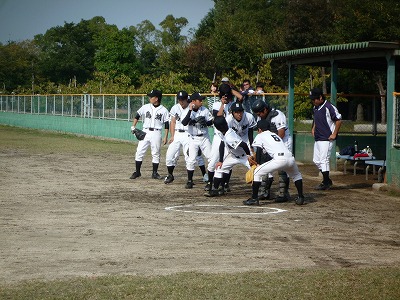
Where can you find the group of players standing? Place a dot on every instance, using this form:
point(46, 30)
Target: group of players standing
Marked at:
point(233, 142)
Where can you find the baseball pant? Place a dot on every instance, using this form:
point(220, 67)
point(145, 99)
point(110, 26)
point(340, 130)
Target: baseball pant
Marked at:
point(195, 143)
point(181, 141)
point(231, 160)
point(214, 153)
point(152, 139)
point(285, 163)
point(322, 154)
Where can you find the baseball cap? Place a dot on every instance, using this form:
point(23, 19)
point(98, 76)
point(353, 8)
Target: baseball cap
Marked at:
point(315, 93)
point(182, 95)
point(155, 93)
point(237, 106)
point(197, 96)
point(225, 79)
point(263, 125)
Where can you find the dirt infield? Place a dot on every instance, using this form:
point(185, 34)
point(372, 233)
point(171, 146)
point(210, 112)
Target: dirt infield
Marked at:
point(79, 215)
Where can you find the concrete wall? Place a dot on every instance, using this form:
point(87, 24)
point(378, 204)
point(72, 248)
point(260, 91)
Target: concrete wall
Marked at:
point(85, 126)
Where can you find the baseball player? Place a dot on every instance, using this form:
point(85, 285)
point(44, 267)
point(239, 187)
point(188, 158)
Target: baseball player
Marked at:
point(179, 138)
point(280, 158)
point(220, 108)
point(242, 122)
point(154, 116)
point(278, 125)
point(232, 151)
point(326, 124)
point(197, 119)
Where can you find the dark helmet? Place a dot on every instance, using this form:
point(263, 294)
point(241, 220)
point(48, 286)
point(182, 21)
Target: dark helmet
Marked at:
point(259, 106)
point(221, 124)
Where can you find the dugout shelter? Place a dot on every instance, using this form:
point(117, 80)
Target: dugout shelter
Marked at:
point(370, 55)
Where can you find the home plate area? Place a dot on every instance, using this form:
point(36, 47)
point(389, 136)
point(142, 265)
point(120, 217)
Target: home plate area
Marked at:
point(218, 209)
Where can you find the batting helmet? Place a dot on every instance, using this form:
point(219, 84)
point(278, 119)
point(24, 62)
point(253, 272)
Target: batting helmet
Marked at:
point(259, 106)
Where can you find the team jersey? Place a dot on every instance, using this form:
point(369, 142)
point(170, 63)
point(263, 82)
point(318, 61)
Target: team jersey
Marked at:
point(179, 113)
point(197, 129)
point(325, 117)
point(243, 126)
point(153, 117)
point(270, 143)
point(232, 141)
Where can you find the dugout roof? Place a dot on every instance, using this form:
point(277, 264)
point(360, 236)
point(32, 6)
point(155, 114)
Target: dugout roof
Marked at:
point(370, 55)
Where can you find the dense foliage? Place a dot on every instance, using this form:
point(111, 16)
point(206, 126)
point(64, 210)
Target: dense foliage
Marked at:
point(96, 57)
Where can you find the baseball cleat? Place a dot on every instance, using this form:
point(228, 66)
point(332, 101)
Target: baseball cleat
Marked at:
point(300, 200)
point(284, 198)
point(221, 191)
point(208, 186)
point(169, 179)
point(189, 184)
point(227, 188)
point(155, 175)
point(135, 175)
point(251, 201)
point(322, 187)
point(211, 193)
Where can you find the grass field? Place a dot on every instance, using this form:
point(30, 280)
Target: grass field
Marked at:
point(311, 283)
point(371, 283)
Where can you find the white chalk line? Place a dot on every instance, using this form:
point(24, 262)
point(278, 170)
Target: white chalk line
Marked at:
point(261, 210)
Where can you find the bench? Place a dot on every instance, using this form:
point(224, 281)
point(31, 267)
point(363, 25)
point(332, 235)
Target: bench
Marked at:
point(380, 163)
point(356, 160)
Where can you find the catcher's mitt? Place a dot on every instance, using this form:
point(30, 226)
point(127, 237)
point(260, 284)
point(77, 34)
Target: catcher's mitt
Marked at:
point(140, 134)
point(250, 174)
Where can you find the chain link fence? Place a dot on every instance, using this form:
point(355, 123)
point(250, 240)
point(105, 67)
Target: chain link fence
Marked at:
point(362, 114)
point(101, 106)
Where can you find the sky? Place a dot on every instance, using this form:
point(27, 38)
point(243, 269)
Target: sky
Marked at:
point(23, 19)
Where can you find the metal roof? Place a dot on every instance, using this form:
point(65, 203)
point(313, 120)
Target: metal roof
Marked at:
point(361, 55)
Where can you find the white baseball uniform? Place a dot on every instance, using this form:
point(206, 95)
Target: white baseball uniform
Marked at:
point(181, 138)
point(198, 138)
point(233, 154)
point(282, 158)
point(153, 121)
point(243, 126)
point(216, 139)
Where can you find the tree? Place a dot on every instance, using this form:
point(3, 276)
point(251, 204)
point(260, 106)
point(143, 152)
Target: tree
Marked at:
point(18, 63)
point(308, 23)
point(116, 54)
point(146, 45)
point(67, 52)
point(172, 44)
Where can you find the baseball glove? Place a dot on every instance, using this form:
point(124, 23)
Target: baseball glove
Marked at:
point(202, 121)
point(140, 134)
point(250, 174)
